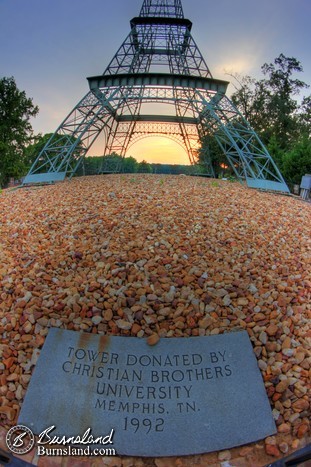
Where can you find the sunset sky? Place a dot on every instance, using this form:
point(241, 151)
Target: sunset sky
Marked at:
point(51, 46)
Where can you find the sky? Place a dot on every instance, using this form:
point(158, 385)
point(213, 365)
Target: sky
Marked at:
point(52, 46)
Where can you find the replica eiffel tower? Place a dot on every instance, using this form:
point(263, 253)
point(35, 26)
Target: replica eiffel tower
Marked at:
point(158, 66)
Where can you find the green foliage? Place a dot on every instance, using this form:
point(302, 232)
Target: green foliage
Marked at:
point(33, 150)
point(270, 105)
point(110, 163)
point(297, 162)
point(283, 121)
point(171, 169)
point(90, 166)
point(211, 151)
point(15, 129)
point(130, 165)
point(56, 143)
point(244, 95)
point(276, 152)
point(281, 105)
point(198, 169)
point(231, 179)
point(144, 167)
point(304, 116)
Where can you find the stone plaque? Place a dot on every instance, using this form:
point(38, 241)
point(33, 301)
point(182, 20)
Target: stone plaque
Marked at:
point(183, 396)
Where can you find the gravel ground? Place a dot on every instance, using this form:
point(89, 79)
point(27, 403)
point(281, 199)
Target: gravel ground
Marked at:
point(137, 255)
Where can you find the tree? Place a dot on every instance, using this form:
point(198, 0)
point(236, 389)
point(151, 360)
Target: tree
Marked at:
point(297, 162)
point(251, 97)
point(130, 165)
point(282, 119)
point(211, 152)
point(304, 116)
point(282, 106)
point(244, 94)
point(56, 144)
point(33, 150)
point(144, 167)
point(15, 129)
point(270, 105)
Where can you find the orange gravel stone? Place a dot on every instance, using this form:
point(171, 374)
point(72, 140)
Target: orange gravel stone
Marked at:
point(272, 329)
point(166, 256)
point(153, 339)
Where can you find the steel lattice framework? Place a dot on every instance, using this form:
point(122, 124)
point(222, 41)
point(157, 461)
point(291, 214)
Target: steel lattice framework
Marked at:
point(158, 66)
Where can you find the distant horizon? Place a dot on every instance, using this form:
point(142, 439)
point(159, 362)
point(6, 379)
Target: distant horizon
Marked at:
point(143, 160)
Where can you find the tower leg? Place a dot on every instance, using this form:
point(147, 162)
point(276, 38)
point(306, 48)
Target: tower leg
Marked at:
point(243, 148)
point(63, 153)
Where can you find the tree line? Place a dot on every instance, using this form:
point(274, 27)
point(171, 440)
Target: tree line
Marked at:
point(273, 105)
point(114, 163)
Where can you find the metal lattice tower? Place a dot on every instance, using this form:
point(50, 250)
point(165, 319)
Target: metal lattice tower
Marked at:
point(158, 66)
point(164, 8)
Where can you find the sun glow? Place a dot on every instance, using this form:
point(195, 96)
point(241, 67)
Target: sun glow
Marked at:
point(159, 150)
